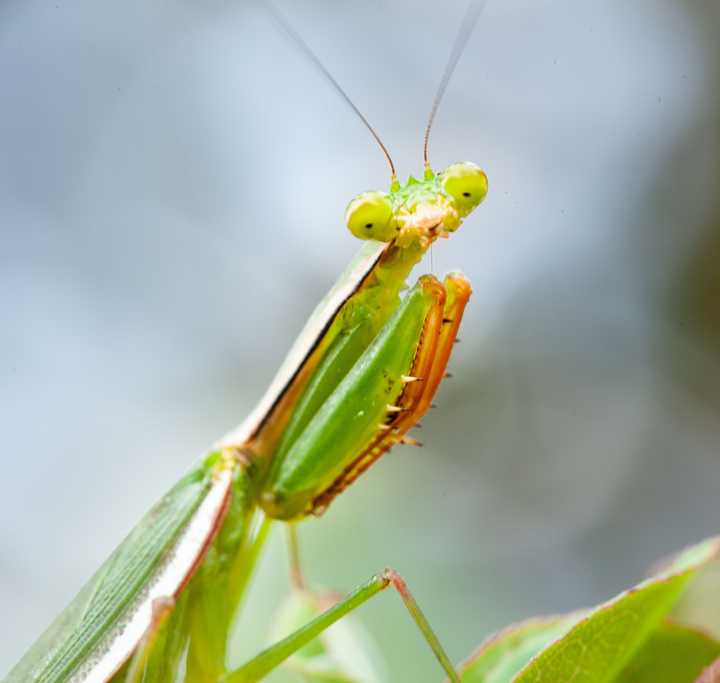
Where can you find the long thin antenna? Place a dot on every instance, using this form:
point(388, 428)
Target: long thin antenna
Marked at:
point(472, 14)
point(297, 38)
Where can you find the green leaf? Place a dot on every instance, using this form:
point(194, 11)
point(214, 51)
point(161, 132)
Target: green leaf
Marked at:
point(600, 645)
point(503, 655)
point(672, 654)
point(625, 640)
point(698, 606)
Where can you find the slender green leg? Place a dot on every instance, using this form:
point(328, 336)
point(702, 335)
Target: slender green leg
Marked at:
point(297, 577)
point(398, 583)
point(216, 590)
point(245, 565)
point(272, 657)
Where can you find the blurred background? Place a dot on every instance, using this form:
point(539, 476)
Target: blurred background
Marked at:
point(173, 177)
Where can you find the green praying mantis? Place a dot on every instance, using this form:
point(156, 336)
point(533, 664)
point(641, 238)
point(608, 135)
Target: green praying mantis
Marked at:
point(361, 373)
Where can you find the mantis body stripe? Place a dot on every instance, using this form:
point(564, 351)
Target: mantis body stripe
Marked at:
point(169, 579)
point(322, 317)
point(109, 616)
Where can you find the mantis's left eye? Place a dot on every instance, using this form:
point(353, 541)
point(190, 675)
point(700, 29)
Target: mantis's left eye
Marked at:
point(370, 217)
point(466, 183)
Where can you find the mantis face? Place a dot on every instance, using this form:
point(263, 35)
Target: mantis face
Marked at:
point(420, 210)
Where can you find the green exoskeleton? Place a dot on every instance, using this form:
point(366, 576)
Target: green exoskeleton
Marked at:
point(362, 372)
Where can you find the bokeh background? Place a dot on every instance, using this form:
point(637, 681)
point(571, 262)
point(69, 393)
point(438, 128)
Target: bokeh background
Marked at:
point(173, 177)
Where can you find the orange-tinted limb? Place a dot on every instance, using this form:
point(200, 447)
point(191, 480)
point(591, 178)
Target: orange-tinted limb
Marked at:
point(428, 370)
point(458, 291)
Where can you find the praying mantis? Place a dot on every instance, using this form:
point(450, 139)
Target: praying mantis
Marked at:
point(362, 372)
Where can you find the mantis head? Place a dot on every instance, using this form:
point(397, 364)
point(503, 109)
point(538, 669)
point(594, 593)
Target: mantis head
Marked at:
point(420, 210)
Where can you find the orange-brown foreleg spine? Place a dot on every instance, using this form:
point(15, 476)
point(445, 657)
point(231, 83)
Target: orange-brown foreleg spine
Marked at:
point(428, 370)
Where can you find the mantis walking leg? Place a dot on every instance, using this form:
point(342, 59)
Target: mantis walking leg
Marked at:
point(272, 657)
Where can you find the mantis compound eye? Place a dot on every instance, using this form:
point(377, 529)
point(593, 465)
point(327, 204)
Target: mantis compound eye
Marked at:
point(370, 217)
point(466, 183)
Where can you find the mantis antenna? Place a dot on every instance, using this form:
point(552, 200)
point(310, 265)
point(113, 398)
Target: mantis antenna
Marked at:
point(304, 47)
point(466, 28)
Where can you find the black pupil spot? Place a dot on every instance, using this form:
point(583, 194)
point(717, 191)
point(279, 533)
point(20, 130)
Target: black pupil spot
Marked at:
point(368, 225)
point(466, 194)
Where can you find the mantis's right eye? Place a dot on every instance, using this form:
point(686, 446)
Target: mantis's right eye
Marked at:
point(466, 184)
point(370, 217)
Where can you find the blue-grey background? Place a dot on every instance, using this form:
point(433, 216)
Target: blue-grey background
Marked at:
point(173, 177)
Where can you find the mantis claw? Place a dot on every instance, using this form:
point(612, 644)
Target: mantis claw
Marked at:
point(430, 363)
